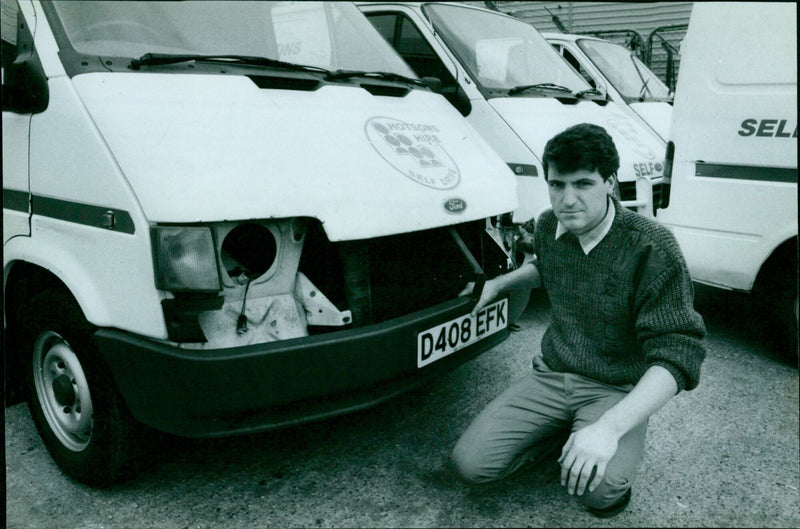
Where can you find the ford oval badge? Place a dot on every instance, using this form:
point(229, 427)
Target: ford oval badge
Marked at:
point(455, 206)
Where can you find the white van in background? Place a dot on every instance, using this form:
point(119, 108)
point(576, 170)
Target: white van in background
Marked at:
point(516, 90)
point(616, 71)
point(220, 218)
point(732, 198)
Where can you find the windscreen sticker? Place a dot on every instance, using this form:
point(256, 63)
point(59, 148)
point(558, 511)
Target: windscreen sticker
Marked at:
point(415, 150)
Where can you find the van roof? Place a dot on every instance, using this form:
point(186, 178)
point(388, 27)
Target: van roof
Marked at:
point(569, 36)
point(419, 4)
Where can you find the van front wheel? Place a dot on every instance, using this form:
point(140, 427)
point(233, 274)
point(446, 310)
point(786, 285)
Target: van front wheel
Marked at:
point(79, 414)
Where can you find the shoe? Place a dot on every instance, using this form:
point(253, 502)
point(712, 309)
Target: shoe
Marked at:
point(613, 510)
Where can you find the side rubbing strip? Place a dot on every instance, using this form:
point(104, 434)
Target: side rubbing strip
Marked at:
point(96, 216)
point(746, 172)
point(16, 200)
point(521, 169)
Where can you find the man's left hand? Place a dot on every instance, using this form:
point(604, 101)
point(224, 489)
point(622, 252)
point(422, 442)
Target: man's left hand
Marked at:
point(588, 449)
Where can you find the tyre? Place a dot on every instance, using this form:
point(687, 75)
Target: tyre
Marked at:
point(777, 294)
point(80, 416)
point(784, 301)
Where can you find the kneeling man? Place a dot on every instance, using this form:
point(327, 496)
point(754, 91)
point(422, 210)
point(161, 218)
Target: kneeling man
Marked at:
point(624, 337)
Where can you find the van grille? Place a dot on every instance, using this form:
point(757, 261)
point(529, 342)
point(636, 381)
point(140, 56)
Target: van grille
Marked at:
point(627, 191)
point(384, 278)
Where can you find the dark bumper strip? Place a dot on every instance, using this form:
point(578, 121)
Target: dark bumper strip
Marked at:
point(746, 172)
point(244, 389)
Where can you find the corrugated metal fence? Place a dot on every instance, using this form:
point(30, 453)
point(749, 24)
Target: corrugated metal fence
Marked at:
point(647, 27)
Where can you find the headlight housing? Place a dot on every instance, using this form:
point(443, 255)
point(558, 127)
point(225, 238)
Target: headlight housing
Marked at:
point(185, 259)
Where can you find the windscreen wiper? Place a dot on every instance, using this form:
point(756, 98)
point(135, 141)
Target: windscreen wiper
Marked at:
point(584, 93)
point(159, 59)
point(538, 86)
point(645, 88)
point(387, 76)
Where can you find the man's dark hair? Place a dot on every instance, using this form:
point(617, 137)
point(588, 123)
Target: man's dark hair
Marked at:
point(584, 146)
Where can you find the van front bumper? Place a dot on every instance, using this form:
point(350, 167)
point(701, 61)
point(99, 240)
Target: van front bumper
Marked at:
point(218, 392)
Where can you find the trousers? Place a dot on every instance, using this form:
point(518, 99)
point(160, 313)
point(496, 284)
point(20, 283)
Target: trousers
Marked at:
point(533, 418)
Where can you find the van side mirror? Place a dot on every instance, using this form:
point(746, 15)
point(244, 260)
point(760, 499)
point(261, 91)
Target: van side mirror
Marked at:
point(434, 83)
point(666, 185)
point(24, 82)
point(458, 98)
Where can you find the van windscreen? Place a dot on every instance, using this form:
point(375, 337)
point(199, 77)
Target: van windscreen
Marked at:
point(329, 35)
point(625, 71)
point(501, 53)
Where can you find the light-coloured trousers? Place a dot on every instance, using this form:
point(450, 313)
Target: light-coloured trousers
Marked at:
point(523, 423)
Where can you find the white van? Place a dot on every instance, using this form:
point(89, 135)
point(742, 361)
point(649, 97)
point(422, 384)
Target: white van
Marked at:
point(516, 90)
point(732, 200)
point(225, 217)
point(618, 72)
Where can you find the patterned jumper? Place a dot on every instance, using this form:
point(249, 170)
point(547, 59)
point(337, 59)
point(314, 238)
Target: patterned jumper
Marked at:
point(622, 308)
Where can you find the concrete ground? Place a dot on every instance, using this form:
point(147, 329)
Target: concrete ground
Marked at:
point(724, 455)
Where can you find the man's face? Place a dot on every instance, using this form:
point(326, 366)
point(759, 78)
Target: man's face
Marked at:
point(579, 199)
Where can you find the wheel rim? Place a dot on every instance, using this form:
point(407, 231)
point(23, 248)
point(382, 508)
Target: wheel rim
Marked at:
point(63, 391)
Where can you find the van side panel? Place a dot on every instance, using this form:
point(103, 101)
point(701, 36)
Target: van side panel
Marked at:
point(16, 208)
point(734, 180)
point(753, 77)
point(510, 147)
point(86, 217)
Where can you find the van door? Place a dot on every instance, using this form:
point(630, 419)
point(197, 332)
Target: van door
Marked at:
point(579, 67)
point(16, 125)
point(399, 31)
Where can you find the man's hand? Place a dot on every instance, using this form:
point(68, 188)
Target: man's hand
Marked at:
point(587, 450)
point(526, 276)
point(591, 448)
point(490, 291)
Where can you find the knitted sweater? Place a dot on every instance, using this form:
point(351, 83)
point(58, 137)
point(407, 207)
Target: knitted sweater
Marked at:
point(622, 308)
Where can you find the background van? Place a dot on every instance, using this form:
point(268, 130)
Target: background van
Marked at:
point(618, 72)
point(517, 92)
point(732, 199)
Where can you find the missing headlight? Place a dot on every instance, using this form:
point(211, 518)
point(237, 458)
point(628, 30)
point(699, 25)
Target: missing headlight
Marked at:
point(248, 251)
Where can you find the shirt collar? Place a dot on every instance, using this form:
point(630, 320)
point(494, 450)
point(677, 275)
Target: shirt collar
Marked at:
point(589, 240)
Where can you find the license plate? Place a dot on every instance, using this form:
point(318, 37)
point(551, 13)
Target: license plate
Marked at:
point(447, 338)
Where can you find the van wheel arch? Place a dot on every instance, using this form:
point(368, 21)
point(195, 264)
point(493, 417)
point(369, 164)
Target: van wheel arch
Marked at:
point(776, 291)
point(23, 281)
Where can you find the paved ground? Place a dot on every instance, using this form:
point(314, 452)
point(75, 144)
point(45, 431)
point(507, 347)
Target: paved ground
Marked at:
point(726, 454)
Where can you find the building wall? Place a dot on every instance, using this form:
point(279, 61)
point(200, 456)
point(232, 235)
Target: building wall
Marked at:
point(589, 17)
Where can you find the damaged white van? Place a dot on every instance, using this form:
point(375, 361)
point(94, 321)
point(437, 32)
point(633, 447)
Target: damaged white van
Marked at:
point(517, 92)
point(225, 217)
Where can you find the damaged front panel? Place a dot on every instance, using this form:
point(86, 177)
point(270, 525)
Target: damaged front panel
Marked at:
point(284, 279)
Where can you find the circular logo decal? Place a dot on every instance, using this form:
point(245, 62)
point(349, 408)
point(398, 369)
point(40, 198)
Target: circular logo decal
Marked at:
point(455, 206)
point(414, 150)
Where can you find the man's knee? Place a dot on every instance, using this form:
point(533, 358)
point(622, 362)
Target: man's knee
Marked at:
point(466, 465)
point(608, 493)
